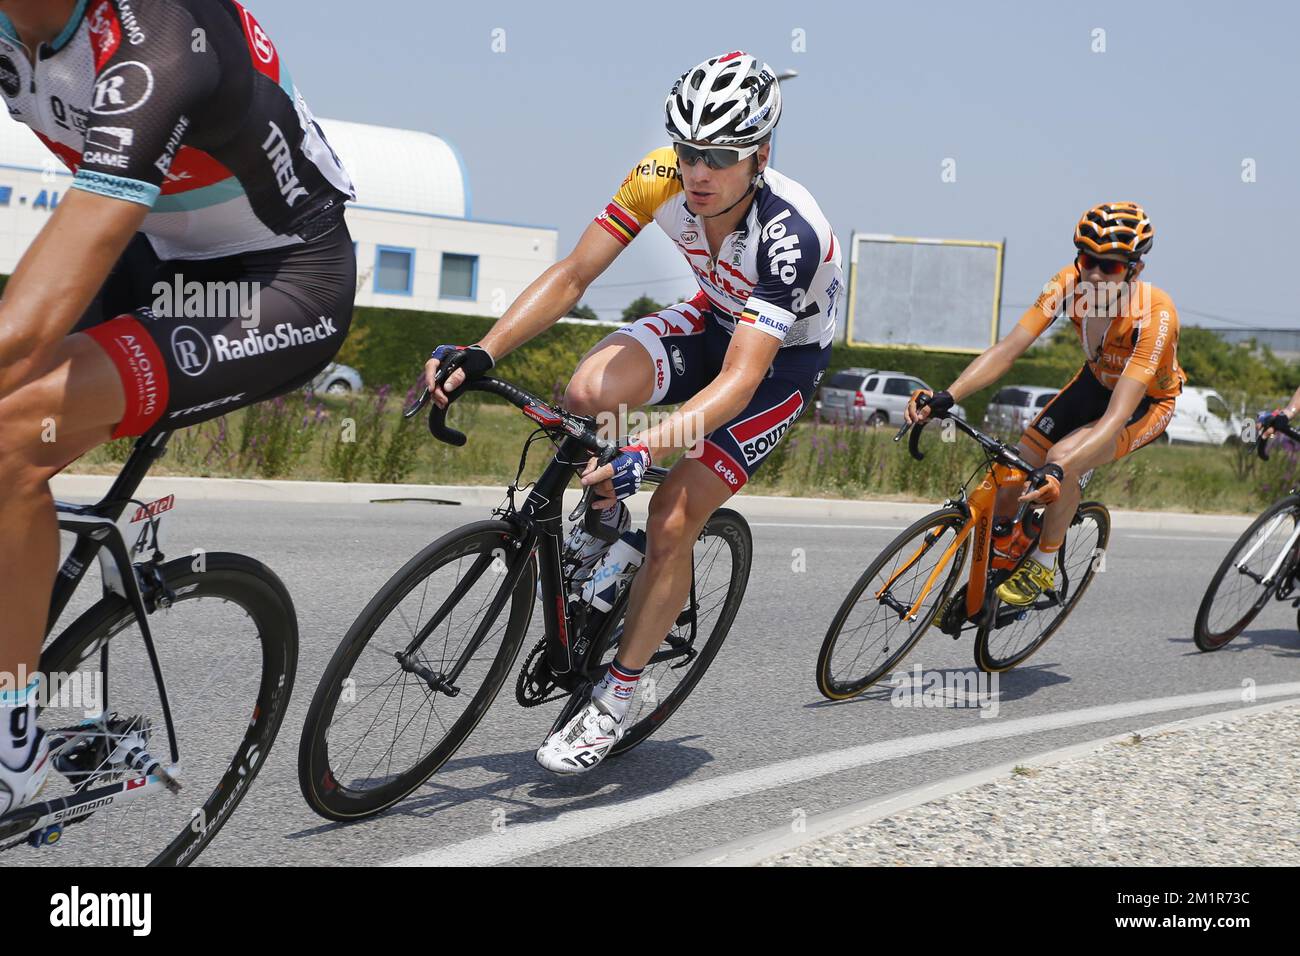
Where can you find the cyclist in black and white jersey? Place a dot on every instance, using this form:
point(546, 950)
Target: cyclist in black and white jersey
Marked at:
point(195, 160)
point(743, 357)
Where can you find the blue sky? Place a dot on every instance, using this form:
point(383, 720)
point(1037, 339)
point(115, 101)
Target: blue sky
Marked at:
point(1039, 124)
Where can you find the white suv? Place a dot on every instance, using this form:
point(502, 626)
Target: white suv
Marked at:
point(871, 396)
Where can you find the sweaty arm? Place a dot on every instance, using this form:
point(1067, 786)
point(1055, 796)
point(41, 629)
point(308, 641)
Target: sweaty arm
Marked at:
point(992, 364)
point(547, 299)
point(1292, 406)
point(995, 362)
point(552, 294)
point(557, 290)
point(125, 159)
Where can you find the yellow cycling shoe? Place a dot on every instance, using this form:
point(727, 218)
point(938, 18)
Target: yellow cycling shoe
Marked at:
point(1026, 584)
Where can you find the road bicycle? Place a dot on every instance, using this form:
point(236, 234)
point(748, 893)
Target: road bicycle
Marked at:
point(1263, 563)
point(204, 648)
point(427, 656)
point(918, 579)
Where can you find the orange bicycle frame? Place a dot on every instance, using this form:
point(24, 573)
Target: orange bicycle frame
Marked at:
point(981, 504)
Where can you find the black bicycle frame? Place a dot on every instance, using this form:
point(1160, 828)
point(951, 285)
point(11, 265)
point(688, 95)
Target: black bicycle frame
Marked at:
point(539, 525)
point(98, 536)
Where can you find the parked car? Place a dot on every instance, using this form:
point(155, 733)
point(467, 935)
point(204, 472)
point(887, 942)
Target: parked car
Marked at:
point(1012, 409)
point(1202, 417)
point(337, 379)
point(870, 396)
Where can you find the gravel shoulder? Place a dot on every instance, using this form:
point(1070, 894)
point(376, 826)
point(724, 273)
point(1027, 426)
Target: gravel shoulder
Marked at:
point(1224, 793)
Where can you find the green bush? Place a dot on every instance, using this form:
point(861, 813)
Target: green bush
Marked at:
point(388, 347)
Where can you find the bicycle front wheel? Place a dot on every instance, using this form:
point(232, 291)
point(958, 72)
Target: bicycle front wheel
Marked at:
point(892, 604)
point(1237, 592)
point(377, 729)
point(1008, 635)
point(228, 649)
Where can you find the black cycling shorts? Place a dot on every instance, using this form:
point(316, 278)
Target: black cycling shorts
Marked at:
point(1085, 400)
point(194, 339)
point(687, 346)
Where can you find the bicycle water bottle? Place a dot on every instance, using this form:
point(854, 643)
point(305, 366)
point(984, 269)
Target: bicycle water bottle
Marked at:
point(602, 589)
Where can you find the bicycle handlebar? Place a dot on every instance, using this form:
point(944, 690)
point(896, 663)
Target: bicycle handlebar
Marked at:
point(539, 411)
point(1261, 444)
point(999, 451)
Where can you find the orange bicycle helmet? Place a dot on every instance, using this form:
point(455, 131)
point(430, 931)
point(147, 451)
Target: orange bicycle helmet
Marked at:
point(1115, 227)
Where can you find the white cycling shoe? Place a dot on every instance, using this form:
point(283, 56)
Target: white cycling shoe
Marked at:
point(582, 743)
point(23, 785)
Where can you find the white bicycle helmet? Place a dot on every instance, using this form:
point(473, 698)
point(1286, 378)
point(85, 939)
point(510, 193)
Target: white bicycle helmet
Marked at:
point(730, 100)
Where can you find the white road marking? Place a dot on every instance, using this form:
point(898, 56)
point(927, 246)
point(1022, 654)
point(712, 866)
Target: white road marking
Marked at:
point(829, 527)
point(571, 826)
point(1181, 537)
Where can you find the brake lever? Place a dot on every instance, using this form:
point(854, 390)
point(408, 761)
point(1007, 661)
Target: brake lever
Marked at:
point(414, 409)
point(591, 522)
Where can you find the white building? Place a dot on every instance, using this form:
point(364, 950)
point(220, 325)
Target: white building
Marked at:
point(418, 246)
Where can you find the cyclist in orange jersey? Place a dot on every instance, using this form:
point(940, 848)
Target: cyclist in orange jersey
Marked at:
point(1120, 400)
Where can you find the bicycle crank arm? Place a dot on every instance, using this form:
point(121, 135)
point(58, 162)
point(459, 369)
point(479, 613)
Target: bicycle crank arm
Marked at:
point(1010, 614)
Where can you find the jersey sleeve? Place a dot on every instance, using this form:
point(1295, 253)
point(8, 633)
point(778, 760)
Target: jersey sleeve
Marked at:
point(1154, 362)
point(1048, 305)
point(651, 182)
point(152, 68)
point(789, 255)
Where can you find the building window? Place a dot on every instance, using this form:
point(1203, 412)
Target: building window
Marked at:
point(394, 270)
point(459, 276)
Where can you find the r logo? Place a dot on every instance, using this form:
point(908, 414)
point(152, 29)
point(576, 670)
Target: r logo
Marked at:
point(191, 351)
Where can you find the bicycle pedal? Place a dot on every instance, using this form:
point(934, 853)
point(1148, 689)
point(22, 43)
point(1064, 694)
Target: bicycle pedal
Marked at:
point(48, 836)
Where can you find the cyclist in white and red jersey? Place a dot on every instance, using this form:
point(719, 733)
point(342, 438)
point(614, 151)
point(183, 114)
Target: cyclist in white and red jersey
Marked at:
point(196, 160)
point(743, 357)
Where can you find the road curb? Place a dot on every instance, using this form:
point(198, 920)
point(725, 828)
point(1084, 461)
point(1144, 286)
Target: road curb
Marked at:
point(751, 850)
point(490, 496)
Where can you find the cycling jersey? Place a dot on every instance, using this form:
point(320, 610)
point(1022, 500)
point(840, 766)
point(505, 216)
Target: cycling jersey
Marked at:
point(1141, 344)
point(185, 107)
point(779, 272)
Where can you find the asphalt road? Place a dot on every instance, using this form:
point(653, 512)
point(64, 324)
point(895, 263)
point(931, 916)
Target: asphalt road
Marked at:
point(750, 749)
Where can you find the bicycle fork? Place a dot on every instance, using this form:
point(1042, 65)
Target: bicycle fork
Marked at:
point(515, 564)
point(1270, 577)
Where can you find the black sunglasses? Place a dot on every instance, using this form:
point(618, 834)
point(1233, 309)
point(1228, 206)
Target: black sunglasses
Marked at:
point(1111, 267)
point(715, 157)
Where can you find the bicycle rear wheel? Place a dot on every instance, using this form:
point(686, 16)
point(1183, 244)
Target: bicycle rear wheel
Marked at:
point(871, 635)
point(228, 650)
point(1237, 592)
point(375, 730)
point(1008, 636)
